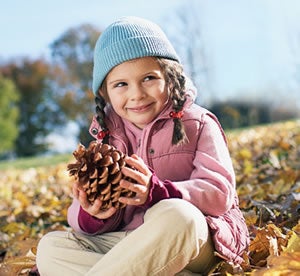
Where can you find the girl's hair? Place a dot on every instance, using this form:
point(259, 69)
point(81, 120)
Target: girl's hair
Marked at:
point(173, 73)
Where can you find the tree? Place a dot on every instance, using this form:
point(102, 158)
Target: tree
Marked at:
point(72, 56)
point(295, 50)
point(242, 113)
point(38, 111)
point(8, 115)
point(185, 32)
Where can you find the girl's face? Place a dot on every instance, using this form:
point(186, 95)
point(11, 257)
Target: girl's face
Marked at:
point(137, 90)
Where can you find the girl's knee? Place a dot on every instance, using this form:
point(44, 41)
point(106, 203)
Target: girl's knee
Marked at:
point(178, 213)
point(177, 208)
point(46, 241)
point(46, 249)
point(50, 240)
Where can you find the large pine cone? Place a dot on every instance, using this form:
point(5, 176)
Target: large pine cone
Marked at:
point(98, 171)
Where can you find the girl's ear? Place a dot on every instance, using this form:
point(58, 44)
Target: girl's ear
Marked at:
point(100, 93)
point(103, 94)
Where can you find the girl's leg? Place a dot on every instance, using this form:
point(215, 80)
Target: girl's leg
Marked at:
point(72, 254)
point(174, 233)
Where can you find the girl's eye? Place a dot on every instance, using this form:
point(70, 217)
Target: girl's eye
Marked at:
point(149, 78)
point(120, 84)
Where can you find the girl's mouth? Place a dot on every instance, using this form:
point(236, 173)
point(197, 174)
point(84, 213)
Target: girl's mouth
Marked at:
point(140, 109)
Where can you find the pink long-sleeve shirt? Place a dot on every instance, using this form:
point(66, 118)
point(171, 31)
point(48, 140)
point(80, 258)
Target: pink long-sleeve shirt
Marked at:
point(199, 171)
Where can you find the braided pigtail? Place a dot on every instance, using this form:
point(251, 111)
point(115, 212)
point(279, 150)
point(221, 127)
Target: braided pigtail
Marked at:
point(178, 99)
point(176, 81)
point(100, 104)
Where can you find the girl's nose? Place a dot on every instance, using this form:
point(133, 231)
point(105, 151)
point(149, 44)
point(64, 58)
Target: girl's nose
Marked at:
point(137, 92)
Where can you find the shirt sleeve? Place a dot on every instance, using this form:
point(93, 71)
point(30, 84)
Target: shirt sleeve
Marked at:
point(211, 186)
point(83, 222)
point(160, 190)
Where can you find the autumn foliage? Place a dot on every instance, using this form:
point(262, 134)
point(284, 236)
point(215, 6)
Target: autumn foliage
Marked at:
point(266, 159)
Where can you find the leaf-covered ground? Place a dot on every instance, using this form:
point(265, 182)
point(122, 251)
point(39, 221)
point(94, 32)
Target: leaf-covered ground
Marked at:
point(34, 201)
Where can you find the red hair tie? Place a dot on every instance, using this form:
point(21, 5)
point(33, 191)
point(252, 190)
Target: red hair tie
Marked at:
point(177, 115)
point(102, 134)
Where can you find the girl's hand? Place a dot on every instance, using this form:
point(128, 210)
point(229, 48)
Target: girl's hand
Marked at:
point(92, 209)
point(142, 175)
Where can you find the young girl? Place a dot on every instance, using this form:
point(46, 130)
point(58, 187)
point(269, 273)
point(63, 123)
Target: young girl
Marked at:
point(185, 213)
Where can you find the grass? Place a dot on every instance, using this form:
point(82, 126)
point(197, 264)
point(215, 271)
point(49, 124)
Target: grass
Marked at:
point(34, 162)
point(47, 161)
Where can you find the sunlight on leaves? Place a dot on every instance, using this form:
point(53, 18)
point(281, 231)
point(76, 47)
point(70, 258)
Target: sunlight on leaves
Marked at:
point(266, 159)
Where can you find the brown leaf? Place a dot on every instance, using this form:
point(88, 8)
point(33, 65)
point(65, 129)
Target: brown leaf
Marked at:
point(287, 264)
point(17, 266)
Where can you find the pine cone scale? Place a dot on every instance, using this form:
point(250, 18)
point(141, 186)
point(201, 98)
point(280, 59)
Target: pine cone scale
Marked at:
point(98, 171)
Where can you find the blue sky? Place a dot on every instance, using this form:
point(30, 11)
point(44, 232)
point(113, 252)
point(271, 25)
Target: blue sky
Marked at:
point(250, 42)
point(28, 27)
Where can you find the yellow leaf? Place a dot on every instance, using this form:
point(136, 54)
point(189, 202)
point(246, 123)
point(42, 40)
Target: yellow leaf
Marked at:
point(284, 145)
point(273, 158)
point(296, 228)
point(250, 217)
point(293, 243)
point(268, 241)
point(22, 198)
point(287, 264)
point(245, 154)
point(248, 166)
point(17, 266)
point(286, 259)
point(13, 227)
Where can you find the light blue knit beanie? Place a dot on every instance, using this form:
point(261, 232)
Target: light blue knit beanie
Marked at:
point(128, 38)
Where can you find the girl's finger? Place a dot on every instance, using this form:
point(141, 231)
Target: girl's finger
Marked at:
point(137, 163)
point(107, 213)
point(96, 206)
point(132, 200)
point(134, 174)
point(83, 200)
point(75, 190)
point(135, 187)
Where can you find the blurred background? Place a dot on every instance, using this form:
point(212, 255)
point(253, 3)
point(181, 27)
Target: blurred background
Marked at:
point(242, 55)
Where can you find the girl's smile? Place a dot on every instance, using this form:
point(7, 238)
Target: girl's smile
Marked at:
point(140, 109)
point(137, 90)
